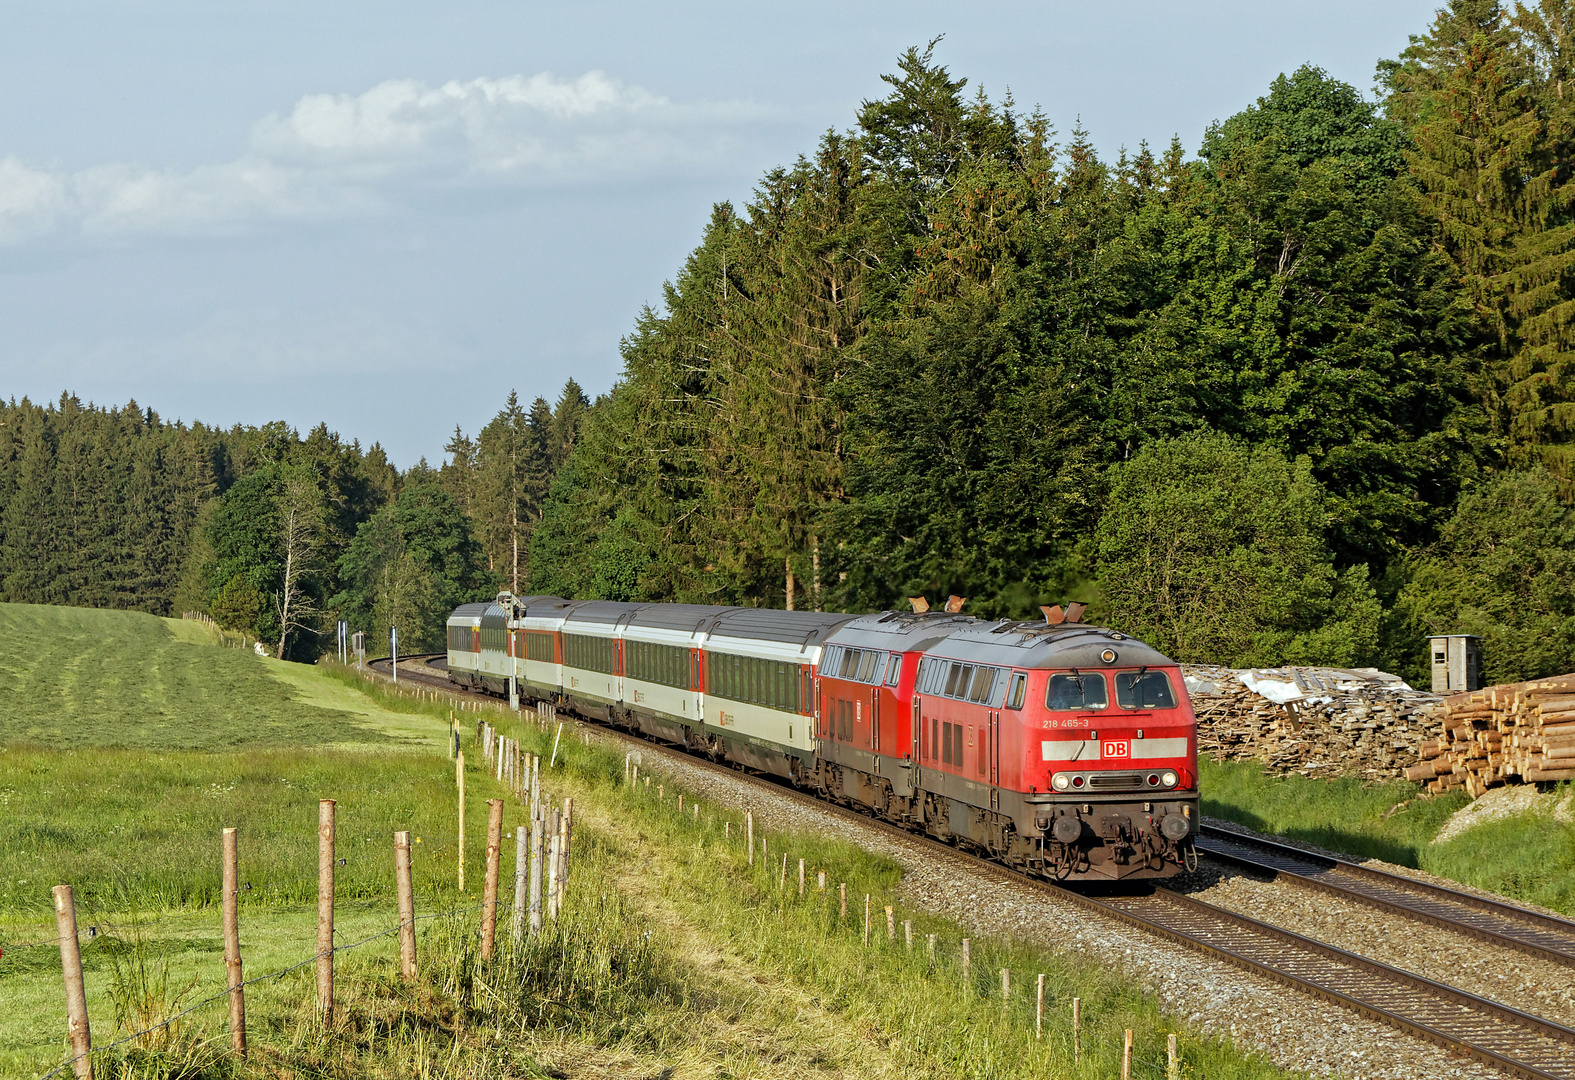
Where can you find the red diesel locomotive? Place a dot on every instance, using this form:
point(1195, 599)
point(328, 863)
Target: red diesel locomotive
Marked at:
point(1059, 748)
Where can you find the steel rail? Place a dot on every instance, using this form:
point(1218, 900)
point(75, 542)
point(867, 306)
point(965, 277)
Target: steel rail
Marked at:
point(1533, 933)
point(1515, 1042)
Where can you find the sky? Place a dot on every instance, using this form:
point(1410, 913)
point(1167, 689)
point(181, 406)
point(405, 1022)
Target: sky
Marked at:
point(387, 216)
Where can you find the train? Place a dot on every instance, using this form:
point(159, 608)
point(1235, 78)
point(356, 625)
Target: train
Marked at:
point(1062, 749)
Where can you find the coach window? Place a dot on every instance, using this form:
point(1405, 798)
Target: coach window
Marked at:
point(1078, 690)
point(1014, 698)
point(1144, 690)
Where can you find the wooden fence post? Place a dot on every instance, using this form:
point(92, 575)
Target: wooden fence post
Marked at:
point(521, 858)
point(554, 845)
point(842, 901)
point(932, 952)
point(459, 783)
point(489, 886)
point(536, 838)
point(891, 926)
point(229, 900)
point(407, 907)
point(749, 832)
point(1006, 985)
point(325, 911)
point(1126, 1055)
point(866, 918)
point(1172, 1058)
point(77, 1030)
point(782, 881)
point(801, 877)
point(967, 986)
point(568, 838)
point(1077, 1030)
point(1039, 1009)
point(907, 934)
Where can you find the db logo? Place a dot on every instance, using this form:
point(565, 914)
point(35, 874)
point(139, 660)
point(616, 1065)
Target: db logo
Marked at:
point(1115, 749)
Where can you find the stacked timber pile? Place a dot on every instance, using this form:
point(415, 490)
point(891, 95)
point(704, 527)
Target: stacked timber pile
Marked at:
point(1520, 732)
point(1314, 721)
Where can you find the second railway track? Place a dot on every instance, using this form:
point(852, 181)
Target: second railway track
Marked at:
point(1504, 925)
point(1515, 1042)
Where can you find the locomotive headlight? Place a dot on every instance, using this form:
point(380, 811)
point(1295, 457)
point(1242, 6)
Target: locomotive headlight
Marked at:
point(1168, 778)
point(1060, 781)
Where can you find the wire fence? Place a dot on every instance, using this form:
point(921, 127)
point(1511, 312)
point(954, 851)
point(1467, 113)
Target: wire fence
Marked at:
point(224, 995)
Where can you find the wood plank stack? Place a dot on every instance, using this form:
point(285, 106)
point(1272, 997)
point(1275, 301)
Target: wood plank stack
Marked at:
point(1313, 721)
point(1516, 733)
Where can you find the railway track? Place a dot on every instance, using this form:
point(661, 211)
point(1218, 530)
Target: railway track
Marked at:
point(1503, 925)
point(1515, 1042)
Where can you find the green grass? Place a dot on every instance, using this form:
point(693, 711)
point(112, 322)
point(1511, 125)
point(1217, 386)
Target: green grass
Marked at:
point(72, 677)
point(1529, 856)
point(1393, 821)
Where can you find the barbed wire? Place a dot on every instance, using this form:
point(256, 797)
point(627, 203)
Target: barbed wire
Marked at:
point(221, 995)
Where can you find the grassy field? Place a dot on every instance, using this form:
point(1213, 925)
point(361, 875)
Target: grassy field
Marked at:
point(674, 957)
point(72, 677)
point(1530, 856)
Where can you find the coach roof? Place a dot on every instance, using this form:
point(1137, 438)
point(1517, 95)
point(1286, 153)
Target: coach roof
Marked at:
point(801, 628)
point(1038, 645)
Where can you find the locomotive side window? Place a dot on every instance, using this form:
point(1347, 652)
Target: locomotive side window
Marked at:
point(946, 744)
point(1014, 700)
point(957, 679)
point(893, 669)
point(1144, 690)
point(983, 685)
point(868, 672)
point(1077, 691)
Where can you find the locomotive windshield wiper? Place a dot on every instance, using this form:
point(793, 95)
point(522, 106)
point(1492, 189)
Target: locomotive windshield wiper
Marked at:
point(1078, 679)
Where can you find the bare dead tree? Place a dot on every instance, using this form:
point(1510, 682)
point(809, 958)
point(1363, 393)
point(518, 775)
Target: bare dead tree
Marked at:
point(300, 528)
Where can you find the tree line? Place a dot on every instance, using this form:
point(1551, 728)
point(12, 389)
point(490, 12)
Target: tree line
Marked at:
point(271, 532)
point(1303, 397)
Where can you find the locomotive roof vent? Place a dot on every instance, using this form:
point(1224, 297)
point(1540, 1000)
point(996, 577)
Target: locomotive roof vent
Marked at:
point(1073, 612)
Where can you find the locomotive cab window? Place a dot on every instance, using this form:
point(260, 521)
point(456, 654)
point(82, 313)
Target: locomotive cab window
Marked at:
point(1144, 690)
point(1080, 690)
point(1014, 698)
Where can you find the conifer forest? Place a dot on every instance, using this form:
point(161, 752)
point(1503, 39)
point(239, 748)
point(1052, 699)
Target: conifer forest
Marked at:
point(1303, 396)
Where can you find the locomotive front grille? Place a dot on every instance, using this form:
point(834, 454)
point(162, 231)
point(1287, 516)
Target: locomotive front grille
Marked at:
point(1115, 781)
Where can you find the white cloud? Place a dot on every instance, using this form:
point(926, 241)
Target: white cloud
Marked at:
point(336, 155)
